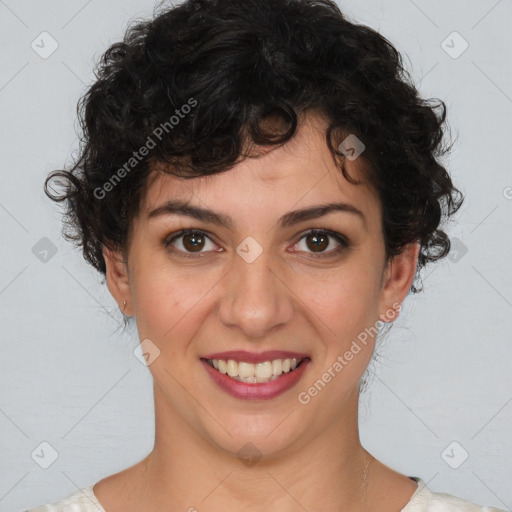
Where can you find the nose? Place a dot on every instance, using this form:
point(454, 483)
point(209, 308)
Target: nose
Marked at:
point(255, 298)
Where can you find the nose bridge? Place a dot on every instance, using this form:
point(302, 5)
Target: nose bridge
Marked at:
point(256, 300)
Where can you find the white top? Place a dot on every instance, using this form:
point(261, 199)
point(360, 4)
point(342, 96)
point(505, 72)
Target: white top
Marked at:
point(423, 500)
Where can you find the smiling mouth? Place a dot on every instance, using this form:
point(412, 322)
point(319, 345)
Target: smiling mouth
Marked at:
point(257, 373)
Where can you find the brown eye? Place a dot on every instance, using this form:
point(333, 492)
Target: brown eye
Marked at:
point(193, 241)
point(317, 241)
point(188, 242)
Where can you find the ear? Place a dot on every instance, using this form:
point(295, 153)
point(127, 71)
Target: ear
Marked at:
point(118, 280)
point(396, 284)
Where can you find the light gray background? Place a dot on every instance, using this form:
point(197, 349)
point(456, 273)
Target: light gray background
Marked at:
point(68, 374)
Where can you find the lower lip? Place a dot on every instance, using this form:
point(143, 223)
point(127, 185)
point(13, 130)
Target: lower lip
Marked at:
point(260, 390)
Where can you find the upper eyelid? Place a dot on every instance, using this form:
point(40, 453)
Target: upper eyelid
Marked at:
point(340, 238)
point(330, 233)
point(182, 232)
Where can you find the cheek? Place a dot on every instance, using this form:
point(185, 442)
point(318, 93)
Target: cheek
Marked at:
point(168, 304)
point(347, 301)
point(347, 311)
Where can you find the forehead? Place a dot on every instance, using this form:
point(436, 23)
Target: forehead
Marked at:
point(296, 175)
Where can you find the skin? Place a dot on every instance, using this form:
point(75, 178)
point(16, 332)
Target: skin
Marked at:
point(311, 455)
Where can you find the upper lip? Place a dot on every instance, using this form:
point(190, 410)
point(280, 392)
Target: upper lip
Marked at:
point(255, 357)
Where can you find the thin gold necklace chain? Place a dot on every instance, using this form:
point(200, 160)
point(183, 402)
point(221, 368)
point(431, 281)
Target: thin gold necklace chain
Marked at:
point(364, 484)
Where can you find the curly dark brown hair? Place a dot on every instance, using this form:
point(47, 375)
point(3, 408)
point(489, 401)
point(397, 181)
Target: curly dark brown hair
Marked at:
point(191, 87)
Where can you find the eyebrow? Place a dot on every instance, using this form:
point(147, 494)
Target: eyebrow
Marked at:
point(175, 207)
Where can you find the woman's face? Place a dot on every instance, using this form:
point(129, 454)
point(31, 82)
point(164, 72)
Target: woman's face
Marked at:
point(261, 281)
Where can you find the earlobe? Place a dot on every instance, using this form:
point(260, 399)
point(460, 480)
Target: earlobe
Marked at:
point(117, 279)
point(397, 282)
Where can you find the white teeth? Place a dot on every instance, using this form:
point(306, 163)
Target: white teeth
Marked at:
point(245, 369)
point(259, 372)
point(263, 370)
point(232, 368)
point(277, 367)
point(223, 366)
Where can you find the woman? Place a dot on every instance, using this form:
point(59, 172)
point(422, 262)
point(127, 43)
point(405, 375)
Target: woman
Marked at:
point(260, 185)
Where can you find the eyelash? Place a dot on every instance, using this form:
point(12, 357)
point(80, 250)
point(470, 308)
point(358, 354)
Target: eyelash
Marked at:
point(343, 241)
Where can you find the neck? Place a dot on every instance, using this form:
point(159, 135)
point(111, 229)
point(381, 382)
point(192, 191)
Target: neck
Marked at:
point(186, 471)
